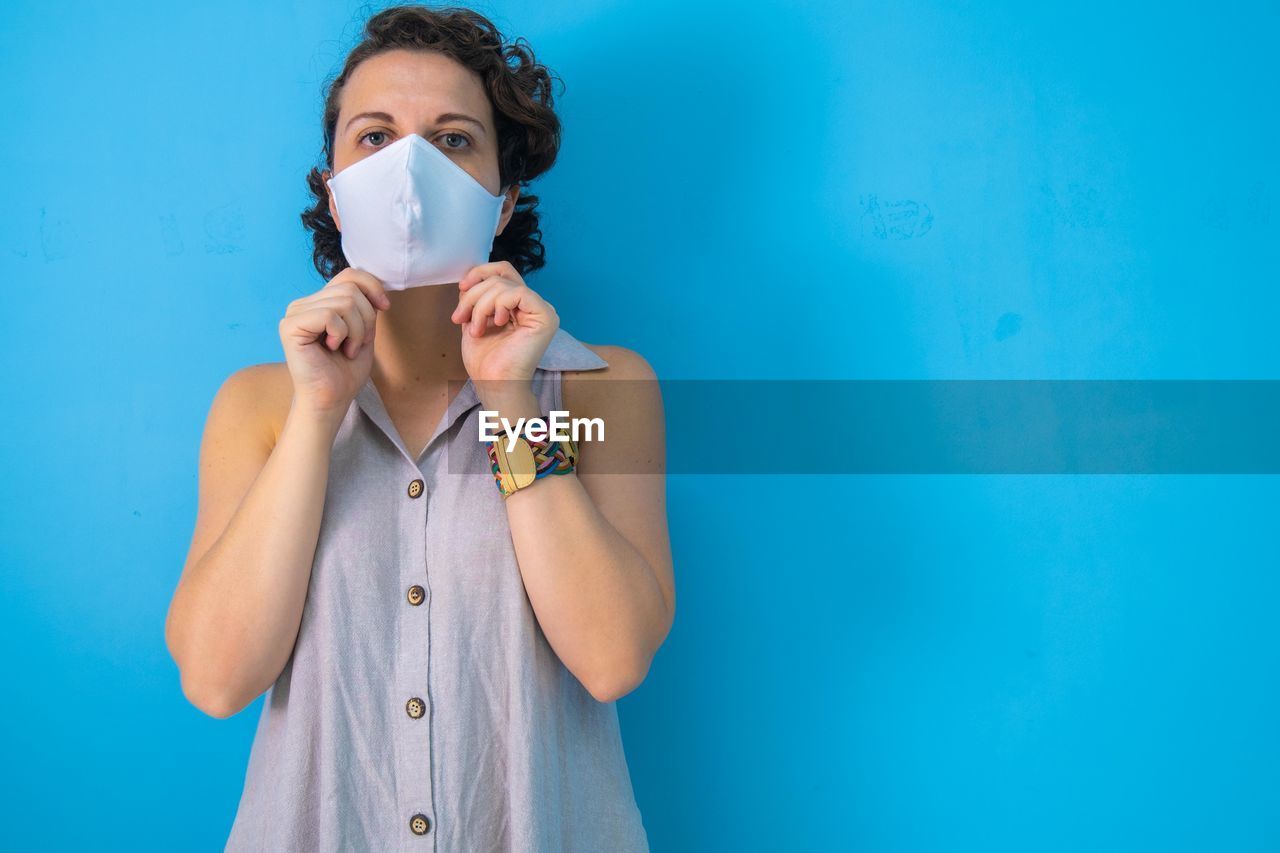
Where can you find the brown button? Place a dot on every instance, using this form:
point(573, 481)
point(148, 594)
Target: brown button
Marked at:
point(416, 707)
point(415, 488)
point(417, 595)
point(419, 824)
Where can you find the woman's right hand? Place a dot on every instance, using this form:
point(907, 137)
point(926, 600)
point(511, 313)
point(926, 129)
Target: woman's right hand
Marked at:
point(328, 340)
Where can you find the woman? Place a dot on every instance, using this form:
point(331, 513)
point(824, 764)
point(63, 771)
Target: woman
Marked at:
point(442, 641)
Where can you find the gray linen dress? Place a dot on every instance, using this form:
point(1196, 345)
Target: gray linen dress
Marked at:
point(422, 708)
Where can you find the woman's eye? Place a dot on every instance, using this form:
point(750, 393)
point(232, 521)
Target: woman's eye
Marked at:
point(455, 136)
point(454, 141)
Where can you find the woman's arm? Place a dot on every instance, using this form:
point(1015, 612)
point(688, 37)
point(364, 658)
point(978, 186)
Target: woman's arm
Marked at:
point(235, 613)
point(593, 546)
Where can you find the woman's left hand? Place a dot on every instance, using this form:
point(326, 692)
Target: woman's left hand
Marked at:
point(506, 327)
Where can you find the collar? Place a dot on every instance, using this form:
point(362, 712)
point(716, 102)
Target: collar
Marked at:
point(564, 352)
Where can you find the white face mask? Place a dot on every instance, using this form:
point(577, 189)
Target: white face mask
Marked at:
point(411, 216)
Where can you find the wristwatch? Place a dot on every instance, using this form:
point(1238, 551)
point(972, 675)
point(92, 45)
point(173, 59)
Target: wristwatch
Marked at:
point(529, 461)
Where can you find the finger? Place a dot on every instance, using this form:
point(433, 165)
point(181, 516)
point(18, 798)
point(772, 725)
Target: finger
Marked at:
point(342, 290)
point(504, 307)
point(351, 303)
point(321, 325)
point(367, 313)
point(368, 283)
point(529, 302)
point(482, 311)
point(483, 271)
point(356, 331)
point(360, 297)
point(509, 299)
point(462, 313)
point(336, 329)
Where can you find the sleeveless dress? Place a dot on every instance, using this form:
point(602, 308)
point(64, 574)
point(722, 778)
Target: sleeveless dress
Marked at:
point(422, 708)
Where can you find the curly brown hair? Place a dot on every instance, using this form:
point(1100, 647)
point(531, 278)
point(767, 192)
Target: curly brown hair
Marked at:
point(519, 89)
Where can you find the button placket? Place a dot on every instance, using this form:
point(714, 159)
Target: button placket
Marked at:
point(414, 759)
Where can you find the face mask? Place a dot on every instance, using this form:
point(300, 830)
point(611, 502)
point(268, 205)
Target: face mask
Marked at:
point(411, 216)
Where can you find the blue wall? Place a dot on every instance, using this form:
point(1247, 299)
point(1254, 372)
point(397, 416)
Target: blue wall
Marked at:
point(817, 190)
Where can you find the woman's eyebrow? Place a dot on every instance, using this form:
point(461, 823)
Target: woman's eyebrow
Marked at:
point(443, 117)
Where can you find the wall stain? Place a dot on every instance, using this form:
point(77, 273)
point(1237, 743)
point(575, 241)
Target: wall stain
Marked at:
point(895, 220)
point(57, 237)
point(1007, 326)
point(223, 229)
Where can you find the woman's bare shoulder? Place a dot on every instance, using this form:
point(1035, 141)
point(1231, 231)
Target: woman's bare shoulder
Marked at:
point(588, 391)
point(259, 396)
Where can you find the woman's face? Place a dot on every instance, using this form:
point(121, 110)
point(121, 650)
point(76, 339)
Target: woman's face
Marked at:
point(424, 92)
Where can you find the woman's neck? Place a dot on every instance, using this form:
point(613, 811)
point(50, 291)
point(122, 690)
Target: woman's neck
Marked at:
point(417, 345)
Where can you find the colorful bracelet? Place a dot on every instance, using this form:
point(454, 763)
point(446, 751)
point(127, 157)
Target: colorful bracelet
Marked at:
point(548, 457)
